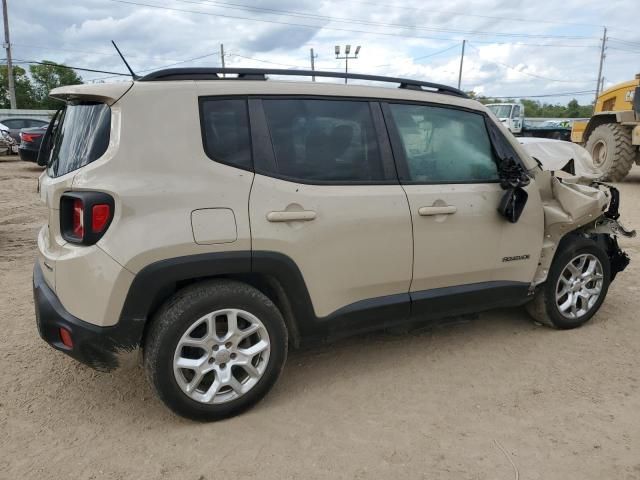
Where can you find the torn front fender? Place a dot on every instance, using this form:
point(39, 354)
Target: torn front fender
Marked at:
point(570, 205)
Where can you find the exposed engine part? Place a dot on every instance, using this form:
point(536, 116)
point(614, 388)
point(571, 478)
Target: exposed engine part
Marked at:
point(618, 260)
point(609, 226)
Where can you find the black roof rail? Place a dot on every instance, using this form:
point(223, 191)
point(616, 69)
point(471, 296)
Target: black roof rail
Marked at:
point(215, 73)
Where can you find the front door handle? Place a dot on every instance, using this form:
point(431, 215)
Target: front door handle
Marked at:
point(443, 210)
point(291, 216)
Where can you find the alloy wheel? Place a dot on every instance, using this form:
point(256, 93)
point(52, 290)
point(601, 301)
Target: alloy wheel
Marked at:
point(579, 286)
point(221, 356)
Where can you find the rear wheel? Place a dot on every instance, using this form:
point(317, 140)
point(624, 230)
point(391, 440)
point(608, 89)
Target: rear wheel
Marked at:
point(612, 151)
point(577, 285)
point(215, 349)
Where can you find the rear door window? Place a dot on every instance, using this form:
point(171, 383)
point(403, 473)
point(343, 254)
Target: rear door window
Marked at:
point(225, 131)
point(324, 141)
point(81, 136)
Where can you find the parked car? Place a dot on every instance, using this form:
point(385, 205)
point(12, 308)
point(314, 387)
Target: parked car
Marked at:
point(30, 140)
point(7, 143)
point(15, 124)
point(285, 213)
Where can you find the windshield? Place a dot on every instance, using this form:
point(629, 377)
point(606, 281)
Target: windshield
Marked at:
point(500, 111)
point(80, 137)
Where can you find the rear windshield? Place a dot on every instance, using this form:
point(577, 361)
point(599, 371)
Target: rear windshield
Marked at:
point(80, 137)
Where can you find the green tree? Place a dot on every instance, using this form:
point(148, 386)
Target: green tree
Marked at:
point(534, 108)
point(46, 77)
point(24, 88)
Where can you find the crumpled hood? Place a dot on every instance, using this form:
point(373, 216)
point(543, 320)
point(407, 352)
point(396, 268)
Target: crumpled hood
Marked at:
point(559, 156)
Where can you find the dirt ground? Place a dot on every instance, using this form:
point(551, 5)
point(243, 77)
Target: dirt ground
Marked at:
point(483, 399)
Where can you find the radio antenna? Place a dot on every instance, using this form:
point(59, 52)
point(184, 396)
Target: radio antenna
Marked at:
point(133, 75)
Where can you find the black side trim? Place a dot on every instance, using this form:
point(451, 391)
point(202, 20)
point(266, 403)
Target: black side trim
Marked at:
point(469, 298)
point(154, 283)
point(150, 283)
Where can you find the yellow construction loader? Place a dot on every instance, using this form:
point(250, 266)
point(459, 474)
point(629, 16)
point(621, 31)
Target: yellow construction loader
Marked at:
point(612, 134)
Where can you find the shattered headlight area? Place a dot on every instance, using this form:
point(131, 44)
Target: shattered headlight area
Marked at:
point(609, 228)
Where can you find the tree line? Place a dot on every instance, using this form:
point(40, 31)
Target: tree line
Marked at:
point(32, 89)
point(535, 108)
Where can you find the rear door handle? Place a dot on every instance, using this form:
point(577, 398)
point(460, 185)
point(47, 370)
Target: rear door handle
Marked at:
point(293, 216)
point(444, 210)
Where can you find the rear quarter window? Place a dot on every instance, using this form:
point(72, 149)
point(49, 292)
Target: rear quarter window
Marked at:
point(225, 131)
point(80, 137)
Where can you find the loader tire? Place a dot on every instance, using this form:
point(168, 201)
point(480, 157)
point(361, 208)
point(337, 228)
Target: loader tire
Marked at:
point(612, 151)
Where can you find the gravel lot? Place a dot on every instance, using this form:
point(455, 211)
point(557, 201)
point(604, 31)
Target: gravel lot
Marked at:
point(479, 399)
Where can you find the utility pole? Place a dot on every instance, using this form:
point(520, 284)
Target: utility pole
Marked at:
point(602, 55)
point(7, 46)
point(347, 50)
point(313, 65)
point(222, 58)
point(461, 63)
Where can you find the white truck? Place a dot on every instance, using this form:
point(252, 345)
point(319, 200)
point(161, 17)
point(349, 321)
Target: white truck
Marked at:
point(512, 116)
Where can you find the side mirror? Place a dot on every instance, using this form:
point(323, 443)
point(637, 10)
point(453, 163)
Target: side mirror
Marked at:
point(512, 203)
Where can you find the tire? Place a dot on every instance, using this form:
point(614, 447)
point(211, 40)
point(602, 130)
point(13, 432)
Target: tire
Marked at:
point(184, 333)
point(545, 307)
point(612, 151)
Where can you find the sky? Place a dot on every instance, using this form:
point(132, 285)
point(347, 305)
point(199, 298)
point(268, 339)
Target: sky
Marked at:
point(542, 49)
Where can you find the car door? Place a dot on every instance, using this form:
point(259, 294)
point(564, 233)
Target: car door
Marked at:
point(326, 196)
point(448, 168)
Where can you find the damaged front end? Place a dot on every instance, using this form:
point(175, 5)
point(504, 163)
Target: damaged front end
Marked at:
point(607, 229)
point(580, 206)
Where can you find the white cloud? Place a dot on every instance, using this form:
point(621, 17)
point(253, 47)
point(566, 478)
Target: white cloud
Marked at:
point(494, 64)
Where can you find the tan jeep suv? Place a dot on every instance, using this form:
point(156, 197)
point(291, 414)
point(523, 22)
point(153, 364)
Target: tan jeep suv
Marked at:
point(211, 223)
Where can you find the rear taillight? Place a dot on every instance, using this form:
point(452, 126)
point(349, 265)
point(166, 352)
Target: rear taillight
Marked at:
point(100, 216)
point(78, 219)
point(85, 216)
point(29, 137)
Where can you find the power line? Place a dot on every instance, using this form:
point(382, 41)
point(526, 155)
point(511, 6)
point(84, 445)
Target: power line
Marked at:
point(317, 27)
point(630, 43)
point(515, 69)
point(167, 66)
point(33, 62)
point(413, 59)
point(266, 61)
point(450, 12)
point(291, 13)
point(86, 52)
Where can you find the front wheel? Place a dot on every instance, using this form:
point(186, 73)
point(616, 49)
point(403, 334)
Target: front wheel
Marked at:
point(577, 285)
point(215, 349)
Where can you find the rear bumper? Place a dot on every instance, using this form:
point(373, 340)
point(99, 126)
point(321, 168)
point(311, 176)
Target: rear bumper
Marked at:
point(28, 155)
point(98, 347)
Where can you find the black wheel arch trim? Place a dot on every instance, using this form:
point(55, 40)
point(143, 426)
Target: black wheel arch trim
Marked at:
point(156, 282)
